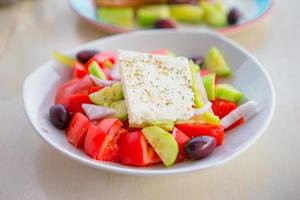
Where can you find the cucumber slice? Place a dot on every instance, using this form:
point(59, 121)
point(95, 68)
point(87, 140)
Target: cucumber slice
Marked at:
point(210, 86)
point(187, 13)
point(108, 95)
point(229, 93)
point(163, 143)
point(213, 15)
point(168, 126)
point(65, 59)
point(148, 15)
point(197, 95)
point(122, 16)
point(215, 61)
point(121, 109)
point(95, 69)
point(211, 118)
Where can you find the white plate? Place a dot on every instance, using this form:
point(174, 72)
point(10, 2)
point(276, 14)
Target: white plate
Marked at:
point(253, 12)
point(250, 77)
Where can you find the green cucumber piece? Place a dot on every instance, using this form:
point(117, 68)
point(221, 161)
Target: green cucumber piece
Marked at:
point(65, 59)
point(121, 16)
point(148, 15)
point(168, 126)
point(229, 93)
point(213, 15)
point(163, 143)
point(197, 95)
point(108, 95)
point(95, 69)
point(187, 13)
point(211, 118)
point(209, 85)
point(120, 107)
point(215, 61)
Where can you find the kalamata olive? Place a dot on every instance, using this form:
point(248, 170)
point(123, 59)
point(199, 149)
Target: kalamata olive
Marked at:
point(86, 55)
point(165, 23)
point(233, 16)
point(200, 147)
point(199, 60)
point(59, 116)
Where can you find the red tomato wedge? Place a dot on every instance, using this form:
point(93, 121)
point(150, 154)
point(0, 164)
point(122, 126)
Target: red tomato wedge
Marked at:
point(194, 130)
point(103, 58)
point(181, 139)
point(135, 150)
point(94, 89)
point(79, 71)
point(94, 139)
point(222, 108)
point(107, 73)
point(204, 72)
point(75, 86)
point(235, 124)
point(73, 102)
point(109, 147)
point(106, 124)
point(77, 130)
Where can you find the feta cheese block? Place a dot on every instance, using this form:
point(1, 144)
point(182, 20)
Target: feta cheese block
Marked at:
point(156, 88)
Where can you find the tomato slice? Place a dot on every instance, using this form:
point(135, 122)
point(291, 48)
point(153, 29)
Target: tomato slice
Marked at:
point(74, 102)
point(106, 124)
point(109, 149)
point(94, 139)
point(102, 57)
point(181, 139)
point(75, 86)
point(194, 130)
point(235, 124)
point(79, 71)
point(94, 89)
point(77, 130)
point(135, 150)
point(204, 72)
point(107, 73)
point(221, 108)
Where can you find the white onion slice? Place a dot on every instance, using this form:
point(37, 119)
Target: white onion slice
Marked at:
point(201, 111)
point(97, 112)
point(201, 88)
point(115, 72)
point(246, 110)
point(101, 82)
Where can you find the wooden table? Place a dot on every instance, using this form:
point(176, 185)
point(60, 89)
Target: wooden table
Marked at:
point(31, 169)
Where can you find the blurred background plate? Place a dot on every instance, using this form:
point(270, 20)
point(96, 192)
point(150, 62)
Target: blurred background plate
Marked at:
point(253, 12)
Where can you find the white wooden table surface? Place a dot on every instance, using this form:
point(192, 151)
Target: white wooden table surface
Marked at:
point(31, 169)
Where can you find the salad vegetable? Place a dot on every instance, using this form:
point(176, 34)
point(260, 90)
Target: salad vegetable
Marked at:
point(142, 109)
point(166, 13)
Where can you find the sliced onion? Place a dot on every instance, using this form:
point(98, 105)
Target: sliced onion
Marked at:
point(201, 88)
point(247, 110)
point(115, 73)
point(97, 112)
point(101, 82)
point(205, 108)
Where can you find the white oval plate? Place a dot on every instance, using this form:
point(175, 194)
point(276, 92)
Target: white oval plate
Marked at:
point(249, 76)
point(253, 12)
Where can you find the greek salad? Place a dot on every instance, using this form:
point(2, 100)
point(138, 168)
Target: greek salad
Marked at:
point(141, 109)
